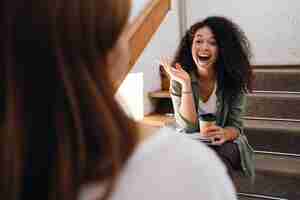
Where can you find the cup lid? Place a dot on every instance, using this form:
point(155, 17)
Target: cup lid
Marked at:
point(207, 117)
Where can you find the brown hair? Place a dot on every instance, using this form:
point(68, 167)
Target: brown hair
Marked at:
point(60, 124)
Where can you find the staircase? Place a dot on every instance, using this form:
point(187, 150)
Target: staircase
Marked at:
point(272, 125)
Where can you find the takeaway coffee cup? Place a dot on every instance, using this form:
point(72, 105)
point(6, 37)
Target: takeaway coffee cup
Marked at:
point(206, 120)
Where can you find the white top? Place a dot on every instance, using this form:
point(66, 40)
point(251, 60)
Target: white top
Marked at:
point(210, 106)
point(170, 166)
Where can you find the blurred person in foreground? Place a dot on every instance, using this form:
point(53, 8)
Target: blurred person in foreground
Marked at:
point(63, 135)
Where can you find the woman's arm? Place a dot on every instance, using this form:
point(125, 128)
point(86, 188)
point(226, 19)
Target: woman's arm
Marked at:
point(187, 107)
point(182, 96)
point(184, 106)
point(234, 122)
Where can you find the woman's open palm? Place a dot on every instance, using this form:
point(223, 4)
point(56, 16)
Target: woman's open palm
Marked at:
point(178, 73)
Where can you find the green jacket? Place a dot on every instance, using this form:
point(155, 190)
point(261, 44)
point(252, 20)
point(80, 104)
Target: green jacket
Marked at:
point(229, 114)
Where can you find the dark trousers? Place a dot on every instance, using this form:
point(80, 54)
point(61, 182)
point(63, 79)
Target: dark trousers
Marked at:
point(230, 155)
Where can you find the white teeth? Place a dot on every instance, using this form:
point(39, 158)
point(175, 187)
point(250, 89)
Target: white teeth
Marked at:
point(203, 57)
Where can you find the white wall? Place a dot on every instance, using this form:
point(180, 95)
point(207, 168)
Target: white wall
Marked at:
point(273, 26)
point(137, 7)
point(163, 43)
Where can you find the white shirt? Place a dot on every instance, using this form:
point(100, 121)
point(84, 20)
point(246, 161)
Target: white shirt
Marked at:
point(170, 166)
point(210, 106)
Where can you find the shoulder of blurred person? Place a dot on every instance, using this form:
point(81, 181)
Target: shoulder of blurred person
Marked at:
point(170, 166)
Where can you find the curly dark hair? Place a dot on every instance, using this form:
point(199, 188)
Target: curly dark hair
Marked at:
point(234, 73)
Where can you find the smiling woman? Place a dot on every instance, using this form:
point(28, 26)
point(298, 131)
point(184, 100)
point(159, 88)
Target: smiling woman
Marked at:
point(210, 74)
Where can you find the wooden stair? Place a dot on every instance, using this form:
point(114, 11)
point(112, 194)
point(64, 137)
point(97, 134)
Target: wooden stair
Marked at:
point(139, 32)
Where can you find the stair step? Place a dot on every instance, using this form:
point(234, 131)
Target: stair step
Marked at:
point(263, 104)
point(273, 135)
point(285, 166)
point(276, 176)
point(274, 185)
point(273, 105)
point(277, 78)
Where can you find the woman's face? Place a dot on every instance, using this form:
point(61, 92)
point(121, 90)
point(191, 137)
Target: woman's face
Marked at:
point(204, 48)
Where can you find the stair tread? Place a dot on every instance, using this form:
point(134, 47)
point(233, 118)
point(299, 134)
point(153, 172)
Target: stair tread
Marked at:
point(274, 136)
point(273, 105)
point(290, 126)
point(274, 185)
point(284, 165)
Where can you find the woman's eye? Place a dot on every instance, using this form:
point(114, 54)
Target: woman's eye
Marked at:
point(213, 43)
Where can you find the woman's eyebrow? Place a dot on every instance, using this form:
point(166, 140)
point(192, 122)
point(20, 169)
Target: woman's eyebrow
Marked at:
point(200, 36)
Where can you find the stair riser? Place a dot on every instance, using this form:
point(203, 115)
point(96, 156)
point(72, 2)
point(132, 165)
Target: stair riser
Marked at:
point(274, 80)
point(273, 107)
point(283, 141)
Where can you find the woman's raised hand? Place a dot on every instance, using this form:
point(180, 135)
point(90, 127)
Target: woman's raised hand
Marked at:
point(178, 73)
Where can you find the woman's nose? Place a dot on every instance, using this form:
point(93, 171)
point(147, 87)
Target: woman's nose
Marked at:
point(205, 46)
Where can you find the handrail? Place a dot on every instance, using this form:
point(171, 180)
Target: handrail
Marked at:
point(139, 33)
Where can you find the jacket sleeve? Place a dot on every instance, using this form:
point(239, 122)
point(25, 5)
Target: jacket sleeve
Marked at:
point(236, 111)
point(235, 114)
point(183, 123)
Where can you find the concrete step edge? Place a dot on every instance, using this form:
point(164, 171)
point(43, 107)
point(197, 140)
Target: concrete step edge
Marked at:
point(288, 125)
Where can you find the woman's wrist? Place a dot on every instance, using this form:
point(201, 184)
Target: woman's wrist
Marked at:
point(186, 88)
point(186, 92)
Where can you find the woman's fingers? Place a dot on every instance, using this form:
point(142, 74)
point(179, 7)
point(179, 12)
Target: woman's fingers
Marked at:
point(166, 64)
point(216, 134)
point(212, 128)
point(218, 140)
point(172, 72)
point(176, 73)
point(178, 66)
